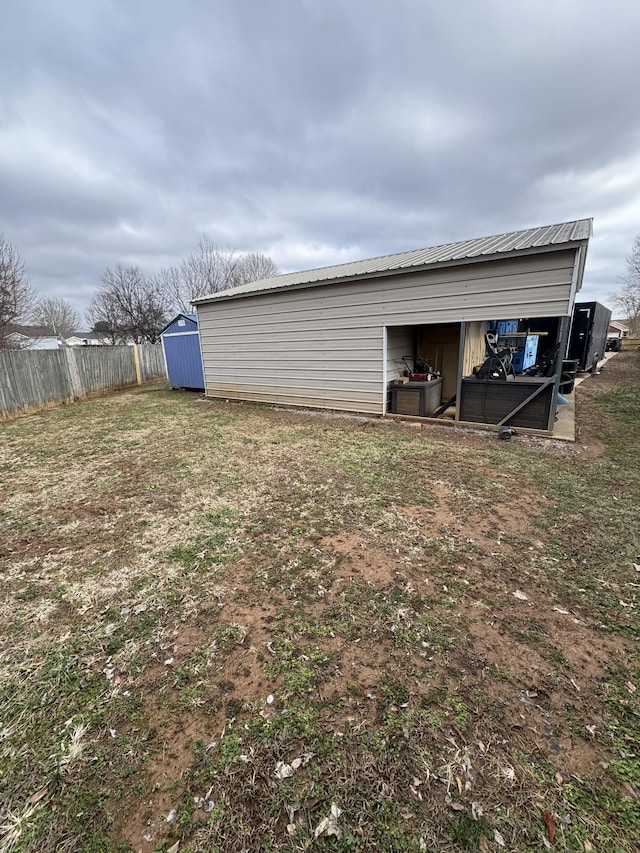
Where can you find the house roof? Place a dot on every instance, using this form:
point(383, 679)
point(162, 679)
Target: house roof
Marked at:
point(29, 331)
point(83, 336)
point(620, 324)
point(483, 248)
point(192, 317)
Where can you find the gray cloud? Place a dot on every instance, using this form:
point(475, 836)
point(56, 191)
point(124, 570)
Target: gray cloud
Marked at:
point(316, 132)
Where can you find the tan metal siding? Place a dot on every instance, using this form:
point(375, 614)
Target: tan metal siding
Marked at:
point(323, 346)
point(399, 343)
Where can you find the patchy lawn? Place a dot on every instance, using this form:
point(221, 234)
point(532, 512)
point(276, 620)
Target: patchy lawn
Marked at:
point(227, 627)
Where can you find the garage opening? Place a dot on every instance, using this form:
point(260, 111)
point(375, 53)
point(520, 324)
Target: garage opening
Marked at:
point(497, 372)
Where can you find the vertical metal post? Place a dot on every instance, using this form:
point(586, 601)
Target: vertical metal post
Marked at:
point(461, 348)
point(385, 390)
point(563, 337)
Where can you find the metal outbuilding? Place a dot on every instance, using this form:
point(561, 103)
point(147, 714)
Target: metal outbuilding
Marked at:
point(182, 355)
point(335, 337)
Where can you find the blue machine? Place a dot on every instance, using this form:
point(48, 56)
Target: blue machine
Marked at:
point(181, 347)
point(524, 347)
point(526, 354)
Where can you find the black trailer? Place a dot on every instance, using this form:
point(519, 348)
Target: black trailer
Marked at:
point(588, 338)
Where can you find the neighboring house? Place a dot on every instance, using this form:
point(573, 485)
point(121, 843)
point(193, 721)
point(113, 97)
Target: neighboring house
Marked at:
point(618, 329)
point(30, 337)
point(83, 339)
point(334, 337)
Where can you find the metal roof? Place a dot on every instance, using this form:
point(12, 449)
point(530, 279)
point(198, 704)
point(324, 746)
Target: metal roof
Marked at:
point(482, 248)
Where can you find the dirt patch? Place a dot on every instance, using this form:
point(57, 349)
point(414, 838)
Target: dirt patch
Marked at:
point(358, 559)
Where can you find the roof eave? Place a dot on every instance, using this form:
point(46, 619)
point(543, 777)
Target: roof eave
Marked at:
point(223, 295)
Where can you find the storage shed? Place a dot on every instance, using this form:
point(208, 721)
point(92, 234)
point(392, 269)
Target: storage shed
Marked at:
point(335, 337)
point(182, 356)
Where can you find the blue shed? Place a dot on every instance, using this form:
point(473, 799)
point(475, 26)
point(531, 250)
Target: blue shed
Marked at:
point(181, 347)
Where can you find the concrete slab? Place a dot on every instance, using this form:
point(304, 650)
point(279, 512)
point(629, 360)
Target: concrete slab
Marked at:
point(564, 429)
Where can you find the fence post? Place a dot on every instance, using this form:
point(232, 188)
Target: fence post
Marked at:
point(74, 375)
point(136, 358)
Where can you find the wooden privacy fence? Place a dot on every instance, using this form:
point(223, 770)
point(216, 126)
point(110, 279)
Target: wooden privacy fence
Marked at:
point(630, 344)
point(35, 379)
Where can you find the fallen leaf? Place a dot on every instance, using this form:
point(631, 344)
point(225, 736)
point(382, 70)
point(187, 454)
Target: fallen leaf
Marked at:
point(561, 610)
point(588, 847)
point(282, 771)
point(457, 807)
point(174, 848)
point(483, 845)
point(550, 823)
point(497, 837)
point(329, 825)
point(35, 798)
point(559, 778)
point(520, 595)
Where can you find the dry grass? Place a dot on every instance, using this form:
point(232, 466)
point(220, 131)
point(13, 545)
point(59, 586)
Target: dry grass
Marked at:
point(247, 629)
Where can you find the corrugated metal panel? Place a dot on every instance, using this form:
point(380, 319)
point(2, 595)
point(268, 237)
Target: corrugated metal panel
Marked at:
point(324, 348)
point(464, 284)
point(575, 232)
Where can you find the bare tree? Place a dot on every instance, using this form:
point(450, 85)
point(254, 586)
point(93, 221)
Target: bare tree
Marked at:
point(105, 318)
point(128, 305)
point(209, 270)
point(57, 314)
point(16, 294)
point(253, 266)
point(627, 299)
point(177, 292)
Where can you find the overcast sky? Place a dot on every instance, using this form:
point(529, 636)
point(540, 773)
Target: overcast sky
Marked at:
point(315, 131)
